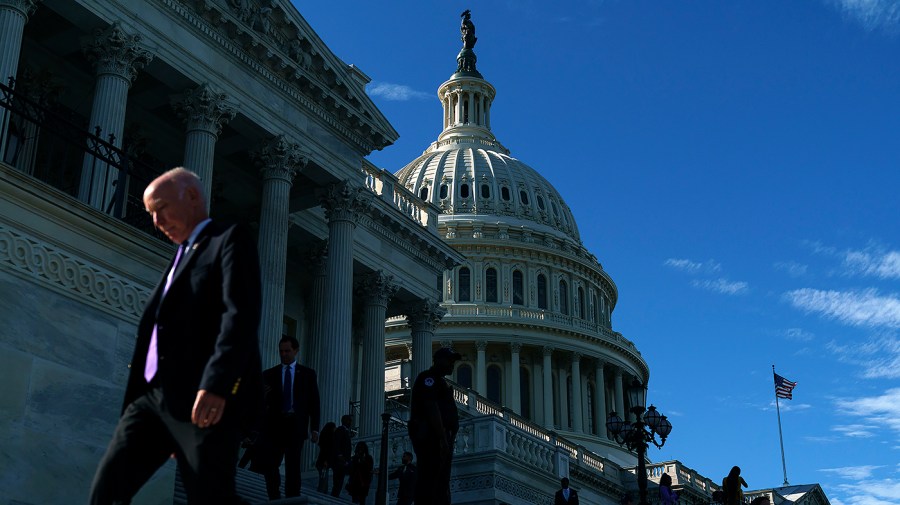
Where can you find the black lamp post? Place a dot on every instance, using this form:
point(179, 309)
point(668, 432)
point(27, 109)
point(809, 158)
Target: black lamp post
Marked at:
point(638, 435)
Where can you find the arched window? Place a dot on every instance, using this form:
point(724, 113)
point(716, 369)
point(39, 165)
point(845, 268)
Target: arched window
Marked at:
point(581, 313)
point(525, 392)
point(490, 285)
point(423, 193)
point(464, 190)
point(485, 191)
point(542, 291)
point(564, 297)
point(524, 197)
point(494, 374)
point(504, 193)
point(465, 285)
point(464, 376)
point(518, 288)
point(443, 191)
point(541, 203)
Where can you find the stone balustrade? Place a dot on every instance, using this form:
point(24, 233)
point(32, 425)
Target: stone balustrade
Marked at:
point(682, 476)
point(384, 184)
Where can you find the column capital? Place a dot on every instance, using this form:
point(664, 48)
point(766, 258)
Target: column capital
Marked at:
point(576, 357)
point(599, 363)
point(480, 345)
point(113, 51)
point(424, 315)
point(316, 256)
point(25, 7)
point(279, 159)
point(377, 288)
point(548, 351)
point(515, 347)
point(202, 108)
point(345, 201)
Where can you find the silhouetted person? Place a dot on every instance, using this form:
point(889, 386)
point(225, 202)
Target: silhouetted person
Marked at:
point(326, 453)
point(731, 487)
point(195, 374)
point(666, 495)
point(761, 500)
point(361, 466)
point(340, 461)
point(566, 495)
point(433, 423)
point(292, 416)
point(407, 475)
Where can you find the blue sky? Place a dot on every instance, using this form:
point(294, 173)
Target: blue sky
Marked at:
point(734, 166)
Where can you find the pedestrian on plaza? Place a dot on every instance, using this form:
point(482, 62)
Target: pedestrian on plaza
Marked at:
point(326, 454)
point(361, 468)
point(406, 472)
point(566, 495)
point(666, 495)
point(761, 500)
point(433, 423)
point(731, 487)
point(340, 460)
point(194, 379)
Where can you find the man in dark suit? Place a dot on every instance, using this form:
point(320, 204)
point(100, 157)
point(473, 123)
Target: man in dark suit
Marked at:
point(196, 365)
point(566, 495)
point(407, 475)
point(292, 416)
point(343, 452)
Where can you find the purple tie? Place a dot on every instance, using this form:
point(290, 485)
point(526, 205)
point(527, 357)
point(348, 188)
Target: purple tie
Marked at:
point(152, 358)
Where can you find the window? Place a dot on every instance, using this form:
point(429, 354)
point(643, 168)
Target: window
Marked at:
point(464, 376)
point(518, 288)
point(465, 285)
point(570, 403)
point(504, 193)
point(542, 291)
point(464, 190)
point(555, 210)
point(423, 193)
point(494, 375)
point(596, 306)
point(525, 392)
point(443, 191)
point(490, 285)
point(485, 191)
point(564, 297)
point(541, 203)
point(581, 313)
point(524, 197)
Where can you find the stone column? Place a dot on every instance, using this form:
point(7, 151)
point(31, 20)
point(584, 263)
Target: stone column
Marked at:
point(117, 58)
point(577, 399)
point(459, 107)
point(548, 387)
point(376, 290)
point(13, 16)
point(316, 257)
point(481, 368)
point(470, 97)
point(562, 386)
point(422, 318)
point(204, 112)
point(620, 396)
point(515, 386)
point(600, 400)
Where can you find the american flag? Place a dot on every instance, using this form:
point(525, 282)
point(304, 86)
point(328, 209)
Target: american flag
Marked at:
point(783, 387)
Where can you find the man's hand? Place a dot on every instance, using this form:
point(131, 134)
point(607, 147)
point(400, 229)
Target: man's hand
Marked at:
point(208, 409)
point(314, 436)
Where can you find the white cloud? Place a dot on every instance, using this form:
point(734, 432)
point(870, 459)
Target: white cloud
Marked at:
point(858, 308)
point(868, 492)
point(853, 472)
point(798, 335)
point(721, 285)
point(882, 410)
point(856, 430)
point(881, 264)
point(692, 267)
point(872, 14)
point(787, 406)
point(396, 92)
point(879, 358)
point(792, 268)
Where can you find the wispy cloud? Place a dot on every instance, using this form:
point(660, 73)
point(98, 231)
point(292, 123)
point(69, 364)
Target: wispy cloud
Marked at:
point(856, 430)
point(792, 268)
point(858, 308)
point(853, 472)
point(872, 14)
point(396, 92)
point(879, 358)
point(787, 406)
point(877, 263)
point(798, 335)
point(881, 410)
point(721, 285)
point(693, 267)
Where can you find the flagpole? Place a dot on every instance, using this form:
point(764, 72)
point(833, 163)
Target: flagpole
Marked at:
point(780, 437)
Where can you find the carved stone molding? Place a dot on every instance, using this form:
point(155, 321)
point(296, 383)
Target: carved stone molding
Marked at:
point(345, 202)
point(25, 7)
point(480, 345)
point(424, 315)
point(548, 351)
point(515, 347)
point(376, 288)
point(59, 269)
point(202, 108)
point(576, 357)
point(277, 158)
point(113, 51)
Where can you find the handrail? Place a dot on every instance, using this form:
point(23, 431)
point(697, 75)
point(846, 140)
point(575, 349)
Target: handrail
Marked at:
point(385, 185)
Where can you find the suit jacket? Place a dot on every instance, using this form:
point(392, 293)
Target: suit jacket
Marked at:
point(206, 326)
point(342, 448)
point(559, 500)
point(306, 398)
point(407, 476)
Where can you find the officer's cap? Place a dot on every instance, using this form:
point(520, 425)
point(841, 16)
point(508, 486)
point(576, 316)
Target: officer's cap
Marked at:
point(446, 353)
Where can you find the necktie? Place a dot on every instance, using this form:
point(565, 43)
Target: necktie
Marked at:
point(287, 390)
point(152, 357)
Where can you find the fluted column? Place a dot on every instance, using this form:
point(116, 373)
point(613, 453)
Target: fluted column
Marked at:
point(117, 57)
point(481, 368)
point(422, 318)
point(13, 16)
point(316, 257)
point(459, 108)
point(577, 399)
point(344, 203)
point(204, 112)
point(620, 395)
point(600, 400)
point(278, 161)
point(562, 386)
point(515, 385)
point(548, 387)
point(376, 290)
point(470, 98)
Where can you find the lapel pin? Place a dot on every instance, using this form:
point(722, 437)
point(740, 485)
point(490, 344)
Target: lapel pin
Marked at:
point(194, 247)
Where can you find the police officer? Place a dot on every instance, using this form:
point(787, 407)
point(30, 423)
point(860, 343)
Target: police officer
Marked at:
point(433, 423)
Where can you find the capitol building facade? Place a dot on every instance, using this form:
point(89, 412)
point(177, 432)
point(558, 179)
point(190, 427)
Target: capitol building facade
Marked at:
point(371, 269)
